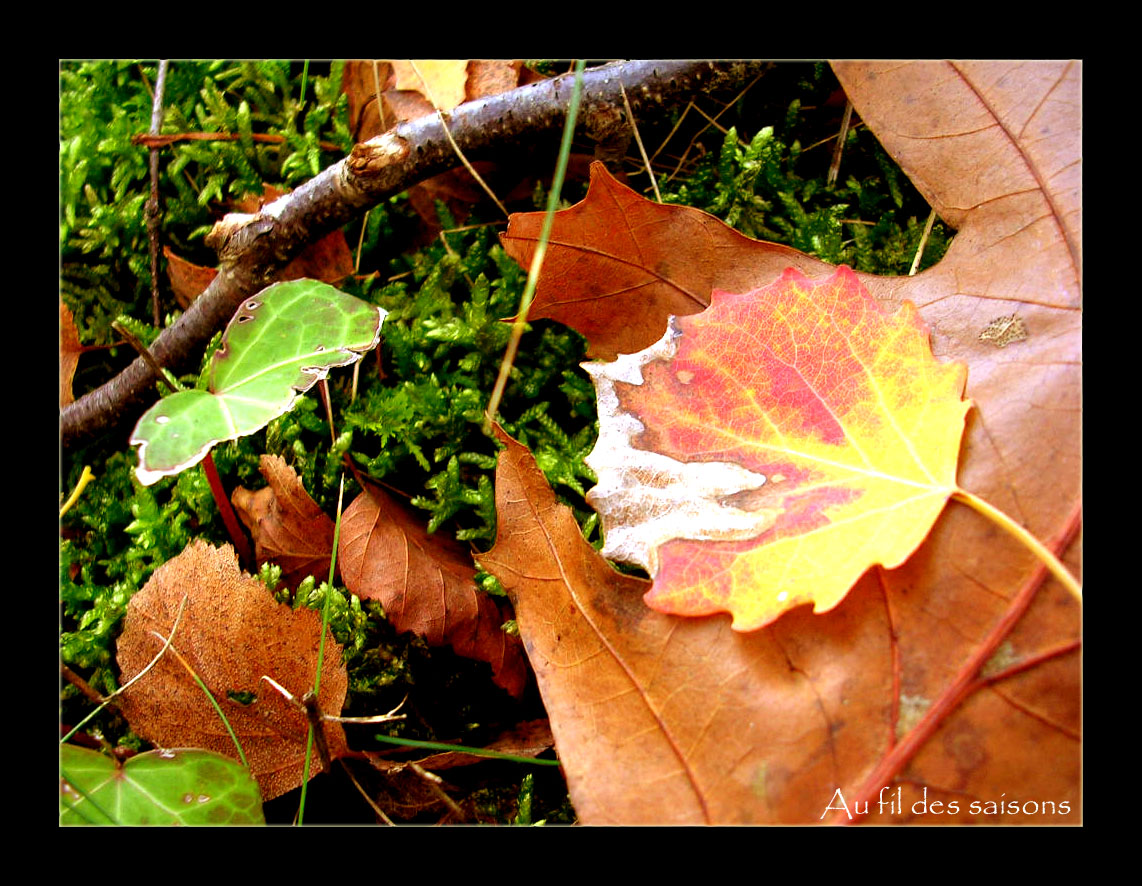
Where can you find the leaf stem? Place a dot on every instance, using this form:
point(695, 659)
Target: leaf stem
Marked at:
point(1033, 544)
point(165, 376)
point(233, 527)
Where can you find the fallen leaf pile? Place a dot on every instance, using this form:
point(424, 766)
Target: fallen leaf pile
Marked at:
point(426, 583)
point(831, 716)
point(774, 433)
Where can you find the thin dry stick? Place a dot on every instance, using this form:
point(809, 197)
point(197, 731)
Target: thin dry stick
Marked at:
point(139, 676)
point(165, 376)
point(367, 721)
point(712, 120)
point(670, 135)
point(853, 128)
point(434, 781)
point(79, 683)
point(316, 716)
point(152, 209)
point(718, 126)
point(161, 141)
point(638, 141)
point(923, 243)
point(838, 149)
point(377, 90)
point(325, 398)
point(456, 147)
point(377, 809)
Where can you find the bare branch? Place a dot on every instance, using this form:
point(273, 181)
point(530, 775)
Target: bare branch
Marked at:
point(253, 248)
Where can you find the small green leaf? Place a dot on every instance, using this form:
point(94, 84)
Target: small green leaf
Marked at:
point(156, 788)
point(277, 346)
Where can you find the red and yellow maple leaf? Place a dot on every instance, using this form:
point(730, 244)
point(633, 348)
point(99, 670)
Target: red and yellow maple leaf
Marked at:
point(785, 441)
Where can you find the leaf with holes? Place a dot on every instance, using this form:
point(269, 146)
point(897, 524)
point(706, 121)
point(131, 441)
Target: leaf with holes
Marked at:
point(277, 346)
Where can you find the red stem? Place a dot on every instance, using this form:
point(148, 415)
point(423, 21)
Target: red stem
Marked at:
point(237, 536)
point(961, 686)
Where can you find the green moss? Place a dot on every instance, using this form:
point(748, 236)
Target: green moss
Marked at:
point(770, 186)
point(104, 178)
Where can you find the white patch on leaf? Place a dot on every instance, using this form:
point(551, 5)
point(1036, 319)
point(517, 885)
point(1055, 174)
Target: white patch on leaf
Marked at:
point(645, 498)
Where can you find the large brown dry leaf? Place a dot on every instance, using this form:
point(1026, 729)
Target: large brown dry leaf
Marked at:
point(882, 691)
point(288, 527)
point(232, 633)
point(426, 585)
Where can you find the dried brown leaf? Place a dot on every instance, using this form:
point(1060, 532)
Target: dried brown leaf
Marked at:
point(491, 77)
point(188, 281)
point(442, 81)
point(232, 633)
point(619, 265)
point(360, 85)
point(425, 584)
point(288, 527)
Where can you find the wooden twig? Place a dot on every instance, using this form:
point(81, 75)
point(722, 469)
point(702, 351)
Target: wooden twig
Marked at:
point(151, 140)
point(254, 248)
point(152, 210)
point(839, 148)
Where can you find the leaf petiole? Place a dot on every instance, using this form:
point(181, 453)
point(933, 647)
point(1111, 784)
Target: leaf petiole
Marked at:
point(1033, 544)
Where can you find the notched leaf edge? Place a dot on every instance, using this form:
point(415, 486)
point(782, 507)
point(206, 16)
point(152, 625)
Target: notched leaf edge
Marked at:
point(646, 499)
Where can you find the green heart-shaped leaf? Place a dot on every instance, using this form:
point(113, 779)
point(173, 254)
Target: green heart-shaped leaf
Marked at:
point(157, 788)
point(279, 343)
